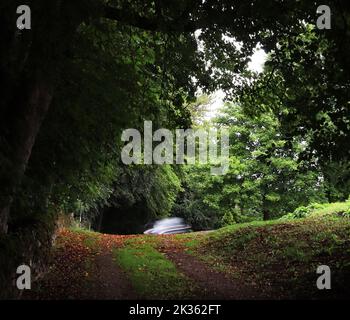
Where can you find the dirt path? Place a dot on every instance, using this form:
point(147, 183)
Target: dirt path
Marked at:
point(212, 284)
point(110, 282)
point(83, 267)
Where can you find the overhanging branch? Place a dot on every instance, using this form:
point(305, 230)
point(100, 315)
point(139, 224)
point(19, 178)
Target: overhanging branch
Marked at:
point(138, 21)
point(129, 18)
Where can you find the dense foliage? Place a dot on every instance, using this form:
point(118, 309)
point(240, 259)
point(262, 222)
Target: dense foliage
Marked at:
point(266, 177)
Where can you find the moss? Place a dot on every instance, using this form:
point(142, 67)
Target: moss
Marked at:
point(152, 274)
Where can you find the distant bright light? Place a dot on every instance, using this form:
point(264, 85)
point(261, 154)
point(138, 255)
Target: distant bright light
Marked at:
point(258, 60)
point(216, 104)
point(256, 64)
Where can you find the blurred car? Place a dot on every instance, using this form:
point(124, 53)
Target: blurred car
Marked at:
point(169, 226)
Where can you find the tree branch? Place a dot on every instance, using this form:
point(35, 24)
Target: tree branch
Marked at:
point(151, 24)
point(211, 19)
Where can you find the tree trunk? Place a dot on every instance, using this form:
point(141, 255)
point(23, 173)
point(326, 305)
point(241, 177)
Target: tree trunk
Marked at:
point(266, 214)
point(100, 220)
point(21, 117)
point(27, 113)
point(4, 214)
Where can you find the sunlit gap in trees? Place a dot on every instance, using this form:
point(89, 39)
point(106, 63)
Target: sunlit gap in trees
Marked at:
point(256, 64)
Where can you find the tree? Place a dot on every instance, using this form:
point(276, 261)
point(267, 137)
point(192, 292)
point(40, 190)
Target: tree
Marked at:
point(311, 105)
point(265, 179)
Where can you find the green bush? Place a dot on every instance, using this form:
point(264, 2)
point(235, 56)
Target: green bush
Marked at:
point(227, 219)
point(346, 214)
point(303, 212)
